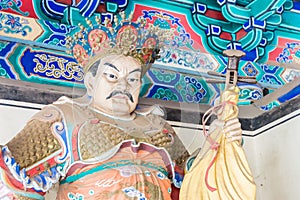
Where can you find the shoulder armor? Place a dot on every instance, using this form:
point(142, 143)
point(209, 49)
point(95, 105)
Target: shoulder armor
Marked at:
point(36, 141)
point(47, 114)
point(35, 157)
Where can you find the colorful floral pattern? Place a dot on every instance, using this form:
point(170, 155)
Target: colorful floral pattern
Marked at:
point(179, 75)
point(250, 70)
point(129, 174)
point(14, 5)
point(13, 24)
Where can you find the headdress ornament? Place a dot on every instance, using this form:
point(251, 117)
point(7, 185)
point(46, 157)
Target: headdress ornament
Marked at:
point(138, 39)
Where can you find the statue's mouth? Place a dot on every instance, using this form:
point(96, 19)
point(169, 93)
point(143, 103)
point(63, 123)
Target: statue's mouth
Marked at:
point(120, 94)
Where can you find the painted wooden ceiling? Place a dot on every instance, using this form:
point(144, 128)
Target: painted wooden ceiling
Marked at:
point(33, 32)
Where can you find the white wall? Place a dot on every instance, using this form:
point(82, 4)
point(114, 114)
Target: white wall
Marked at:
point(272, 151)
point(13, 118)
point(274, 160)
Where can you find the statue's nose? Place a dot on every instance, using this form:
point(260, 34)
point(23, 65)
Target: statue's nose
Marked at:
point(122, 84)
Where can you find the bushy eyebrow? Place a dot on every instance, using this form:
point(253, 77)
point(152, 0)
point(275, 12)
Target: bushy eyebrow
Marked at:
point(136, 70)
point(112, 66)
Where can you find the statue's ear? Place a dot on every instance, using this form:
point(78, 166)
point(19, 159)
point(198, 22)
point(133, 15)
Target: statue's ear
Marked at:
point(89, 82)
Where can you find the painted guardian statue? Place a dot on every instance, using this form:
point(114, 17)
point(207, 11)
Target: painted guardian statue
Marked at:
point(100, 146)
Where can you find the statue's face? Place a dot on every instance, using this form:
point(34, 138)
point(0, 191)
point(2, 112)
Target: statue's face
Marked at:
point(116, 86)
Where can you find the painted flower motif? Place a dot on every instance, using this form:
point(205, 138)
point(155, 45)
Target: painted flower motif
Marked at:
point(147, 173)
point(292, 75)
point(12, 21)
point(177, 180)
point(160, 175)
point(202, 62)
point(250, 70)
point(194, 90)
point(287, 53)
point(77, 196)
point(174, 56)
point(134, 193)
point(91, 192)
point(10, 4)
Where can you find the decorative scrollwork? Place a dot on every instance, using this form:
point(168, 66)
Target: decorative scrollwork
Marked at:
point(57, 67)
point(3, 72)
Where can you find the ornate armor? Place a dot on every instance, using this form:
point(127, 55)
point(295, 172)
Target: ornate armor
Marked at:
point(63, 134)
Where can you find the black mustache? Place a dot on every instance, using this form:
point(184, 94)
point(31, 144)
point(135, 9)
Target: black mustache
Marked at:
point(120, 92)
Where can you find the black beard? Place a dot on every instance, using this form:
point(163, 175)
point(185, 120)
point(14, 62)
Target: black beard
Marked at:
point(120, 92)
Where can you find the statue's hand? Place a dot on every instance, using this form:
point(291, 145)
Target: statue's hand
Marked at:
point(233, 130)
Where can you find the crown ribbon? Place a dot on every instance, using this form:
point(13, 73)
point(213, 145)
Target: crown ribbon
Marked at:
point(138, 39)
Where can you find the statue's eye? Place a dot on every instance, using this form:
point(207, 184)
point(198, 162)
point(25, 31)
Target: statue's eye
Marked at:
point(132, 80)
point(111, 76)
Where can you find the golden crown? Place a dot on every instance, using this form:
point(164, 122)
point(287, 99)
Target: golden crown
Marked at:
point(138, 39)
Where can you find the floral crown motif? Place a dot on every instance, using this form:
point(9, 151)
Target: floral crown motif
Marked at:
point(138, 39)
